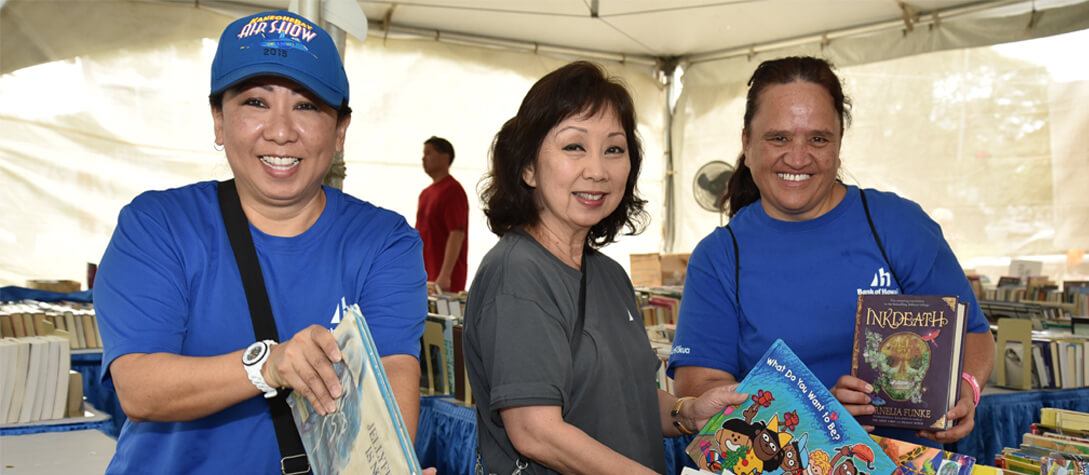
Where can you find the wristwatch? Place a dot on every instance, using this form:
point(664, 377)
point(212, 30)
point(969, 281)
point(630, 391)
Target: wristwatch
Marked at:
point(253, 359)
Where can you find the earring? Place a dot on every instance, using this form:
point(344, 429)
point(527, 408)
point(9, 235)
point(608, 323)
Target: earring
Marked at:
point(217, 147)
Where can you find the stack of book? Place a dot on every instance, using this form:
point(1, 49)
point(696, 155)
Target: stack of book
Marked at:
point(447, 303)
point(1059, 444)
point(659, 305)
point(1058, 360)
point(36, 381)
point(74, 321)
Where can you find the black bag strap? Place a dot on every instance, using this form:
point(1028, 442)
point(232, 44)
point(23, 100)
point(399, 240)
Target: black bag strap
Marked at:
point(737, 268)
point(873, 229)
point(580, 322)
point(292, 454)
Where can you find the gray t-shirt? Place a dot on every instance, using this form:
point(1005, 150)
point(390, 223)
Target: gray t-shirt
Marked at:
point(519, 318)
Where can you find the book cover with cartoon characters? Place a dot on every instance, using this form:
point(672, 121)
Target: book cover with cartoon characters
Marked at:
point(366, 434)
point(915, 459)
point(791, 425)
point(911, 349)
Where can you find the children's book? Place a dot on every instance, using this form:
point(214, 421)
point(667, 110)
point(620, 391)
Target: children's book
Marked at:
point(911, 349)
point(790, 423)
point(915, 459)
point(366, 434)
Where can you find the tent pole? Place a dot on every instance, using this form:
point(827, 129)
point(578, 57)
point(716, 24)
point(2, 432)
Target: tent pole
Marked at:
point(312, 10)
point(668, 67)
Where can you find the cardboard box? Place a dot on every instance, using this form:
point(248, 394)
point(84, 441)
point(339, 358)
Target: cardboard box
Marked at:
point(59, 286)
point(653, 269)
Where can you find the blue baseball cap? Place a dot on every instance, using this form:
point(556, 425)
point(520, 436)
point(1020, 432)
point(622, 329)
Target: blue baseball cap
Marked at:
point(280, 43)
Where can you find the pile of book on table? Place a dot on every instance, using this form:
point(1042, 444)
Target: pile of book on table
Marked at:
point(36, 381)
point(72, 320)
point(1059, 444)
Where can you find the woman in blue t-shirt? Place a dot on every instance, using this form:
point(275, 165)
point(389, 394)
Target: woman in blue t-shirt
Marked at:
point(801, 247)
point(180, 346)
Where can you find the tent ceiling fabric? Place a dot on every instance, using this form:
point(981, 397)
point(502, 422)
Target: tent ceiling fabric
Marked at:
point(650, 28)
point(35, 31)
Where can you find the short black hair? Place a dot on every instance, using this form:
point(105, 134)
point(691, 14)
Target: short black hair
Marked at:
point(441, 145)
point(579, 88)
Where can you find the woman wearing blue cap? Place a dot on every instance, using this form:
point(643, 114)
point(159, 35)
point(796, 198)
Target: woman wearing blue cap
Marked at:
point(182, 318)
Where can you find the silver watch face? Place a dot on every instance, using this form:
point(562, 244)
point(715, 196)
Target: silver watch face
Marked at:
point(254, 353)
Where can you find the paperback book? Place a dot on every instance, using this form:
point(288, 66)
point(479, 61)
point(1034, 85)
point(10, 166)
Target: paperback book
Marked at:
point(366, 433)
point(911, 349)
point(790, 423)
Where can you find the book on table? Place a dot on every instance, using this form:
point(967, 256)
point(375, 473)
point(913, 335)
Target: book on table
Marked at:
point(366, 434)
point(915, 459)
point(911, 349)
point(790, 422)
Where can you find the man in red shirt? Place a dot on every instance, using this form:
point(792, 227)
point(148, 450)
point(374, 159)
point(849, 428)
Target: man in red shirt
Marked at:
point(442, 218)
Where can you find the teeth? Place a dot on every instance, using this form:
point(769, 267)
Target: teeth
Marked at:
point(590, 196)
point(283, 163)
point(794, 176)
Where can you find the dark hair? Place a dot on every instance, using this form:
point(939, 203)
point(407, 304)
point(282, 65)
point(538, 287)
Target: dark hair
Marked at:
point(579, 88)
point(740, 426)
point(441, 145)
point(216, 100)
point(741, 190)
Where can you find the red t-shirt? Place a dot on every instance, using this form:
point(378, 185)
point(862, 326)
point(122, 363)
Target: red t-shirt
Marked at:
point(443, 207)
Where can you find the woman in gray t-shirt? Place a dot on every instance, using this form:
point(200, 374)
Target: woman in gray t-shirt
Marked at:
point(557, 355)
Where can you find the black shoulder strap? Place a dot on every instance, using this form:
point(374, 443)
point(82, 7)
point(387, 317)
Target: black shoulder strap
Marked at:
point(580, 322)
point(737, 268)
point(292, 454)
point(873, 229)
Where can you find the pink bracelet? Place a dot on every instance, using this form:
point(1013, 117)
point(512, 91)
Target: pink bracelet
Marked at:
point(974, 384)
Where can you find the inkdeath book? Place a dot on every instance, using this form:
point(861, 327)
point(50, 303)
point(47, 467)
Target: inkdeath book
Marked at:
point(911, 349)
point(791, 425)
point(366, 434)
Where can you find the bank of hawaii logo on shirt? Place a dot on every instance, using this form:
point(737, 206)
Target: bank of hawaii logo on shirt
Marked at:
point(881, 284)
point(340, 309)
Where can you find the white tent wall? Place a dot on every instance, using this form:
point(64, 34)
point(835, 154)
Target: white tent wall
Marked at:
point(965, 132)
point(102, 99)
point(79, 138)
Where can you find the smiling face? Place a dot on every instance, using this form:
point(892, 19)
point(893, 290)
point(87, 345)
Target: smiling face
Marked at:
point(279, 139)
point(792, 147)
point(730, 440)
point(580, 173)
point(765, 444)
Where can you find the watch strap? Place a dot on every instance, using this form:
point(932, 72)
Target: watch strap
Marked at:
point(254, 371)
point(975, 386)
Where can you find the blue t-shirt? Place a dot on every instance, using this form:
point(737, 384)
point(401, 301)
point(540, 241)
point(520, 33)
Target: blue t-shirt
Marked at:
point(800, 281)
point(168, 282)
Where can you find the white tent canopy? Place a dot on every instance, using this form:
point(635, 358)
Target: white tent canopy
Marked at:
point(102, 99)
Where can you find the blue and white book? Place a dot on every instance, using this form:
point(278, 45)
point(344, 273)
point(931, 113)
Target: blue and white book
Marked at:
point(366, 434)
point(791, 425)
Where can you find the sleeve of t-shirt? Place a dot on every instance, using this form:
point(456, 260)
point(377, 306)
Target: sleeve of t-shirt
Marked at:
point(139, 294)
point(918, 246)
point(456, 215)
point(394, 294)
point(707, 323)
point(526, 351)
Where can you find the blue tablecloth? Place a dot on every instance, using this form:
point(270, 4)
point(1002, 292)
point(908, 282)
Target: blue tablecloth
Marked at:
point(88, 363)
point(446, 438)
